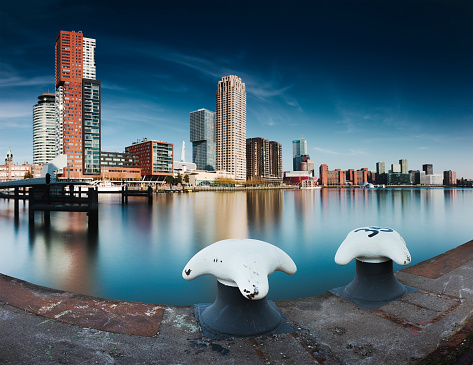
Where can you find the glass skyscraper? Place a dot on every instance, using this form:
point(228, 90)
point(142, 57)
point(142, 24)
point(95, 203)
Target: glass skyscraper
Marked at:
point(299, 149)
point(202, 136)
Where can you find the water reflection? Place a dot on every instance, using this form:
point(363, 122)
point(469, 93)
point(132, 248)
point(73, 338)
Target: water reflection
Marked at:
point(63, 251)
point(138, 250)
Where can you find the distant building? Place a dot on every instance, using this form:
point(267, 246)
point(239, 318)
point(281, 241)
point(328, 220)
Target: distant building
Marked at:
point(263, 159)
point(202, 136)
point(430, 179)
point(395, 167)
point(184, 167)
point(398, 178)
point(207, 178)
point(257, 158)
point(310, 183)
point(275, 160)
point(44, 124)
point(357, 177)
point(231, 127)
point(336, 177)
point(119, 166)
point(428, 169)
point(449, 178)
point(306, 164)
point(414, 176)
point(404, 169)
point(299, 149)
point(155, 158)
point(380, 168)
point(9, 171)
point(295, 177)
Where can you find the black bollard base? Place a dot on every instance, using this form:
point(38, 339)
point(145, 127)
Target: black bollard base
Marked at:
point(232, 315)
point(374, 285)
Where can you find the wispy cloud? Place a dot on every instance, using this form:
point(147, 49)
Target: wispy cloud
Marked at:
point(16, 81)
point(10, 77)
point(350, 152)
point(15, 115)
point(262, 87)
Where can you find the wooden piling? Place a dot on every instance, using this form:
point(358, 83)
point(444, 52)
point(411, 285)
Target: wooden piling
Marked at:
point(150, 194)
point(31, 193)
point(17, 200)
point(93, 207)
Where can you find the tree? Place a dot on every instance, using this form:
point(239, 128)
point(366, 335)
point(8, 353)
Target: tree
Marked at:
point(178, 178)
point(169, 180)
point(186, 178)
point(28, 175)
point(224, 181)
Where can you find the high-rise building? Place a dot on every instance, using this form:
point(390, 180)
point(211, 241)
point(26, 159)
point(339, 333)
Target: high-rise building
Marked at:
point(403, 164)
point(299, 149)
point(275, 159)
point(77, 104)
point(263, 159)
point(44, 122)
point(380, 168)
point(202, 136)
point(231, 126)
point(395, 167)
point(257, 158)
point(428, 169)
point(449, 177)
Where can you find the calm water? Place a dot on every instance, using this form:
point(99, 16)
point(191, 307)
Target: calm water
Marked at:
point(140, 250)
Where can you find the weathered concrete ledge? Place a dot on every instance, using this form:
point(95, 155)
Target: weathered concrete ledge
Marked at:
point(43, 326)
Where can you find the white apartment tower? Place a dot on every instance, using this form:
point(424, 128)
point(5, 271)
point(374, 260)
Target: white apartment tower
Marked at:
point(44, 124)
point(231, 127)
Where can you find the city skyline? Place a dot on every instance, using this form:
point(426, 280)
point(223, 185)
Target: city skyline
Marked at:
point(362, 82)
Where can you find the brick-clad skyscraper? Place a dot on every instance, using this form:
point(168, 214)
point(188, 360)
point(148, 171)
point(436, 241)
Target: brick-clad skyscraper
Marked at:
point(231, 126)
point(77, 104)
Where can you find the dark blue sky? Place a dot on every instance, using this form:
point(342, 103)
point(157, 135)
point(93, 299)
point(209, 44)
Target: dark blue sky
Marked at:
point(362, 81)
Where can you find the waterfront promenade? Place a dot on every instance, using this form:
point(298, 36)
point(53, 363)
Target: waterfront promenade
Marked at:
point(44, 326)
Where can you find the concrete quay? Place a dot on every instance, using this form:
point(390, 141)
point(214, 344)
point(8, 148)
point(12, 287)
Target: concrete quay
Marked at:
point(435, 323)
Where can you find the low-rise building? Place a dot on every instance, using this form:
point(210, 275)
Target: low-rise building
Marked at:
point(430, 179)
point(154, 158)
point(207, 178)
point(296, 177)
point(397, 178)
point(119, 166)
point(9, 171)
point(336, 177)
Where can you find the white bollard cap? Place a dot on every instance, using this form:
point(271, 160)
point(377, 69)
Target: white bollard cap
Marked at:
point(242, 263)
point(373, 245)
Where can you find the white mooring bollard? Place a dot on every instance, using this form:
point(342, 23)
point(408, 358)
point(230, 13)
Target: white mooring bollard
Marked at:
point(242, 267)
point(374, 249)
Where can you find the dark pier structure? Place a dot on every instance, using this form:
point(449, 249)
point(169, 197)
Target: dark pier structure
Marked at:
point(48, 197)
point(146, 193)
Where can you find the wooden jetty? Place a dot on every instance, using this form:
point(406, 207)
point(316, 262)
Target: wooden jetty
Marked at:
point(146, 193)
point(46, 196)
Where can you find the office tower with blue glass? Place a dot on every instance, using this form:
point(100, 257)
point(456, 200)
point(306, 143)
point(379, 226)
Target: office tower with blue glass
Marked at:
point(202, 137)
